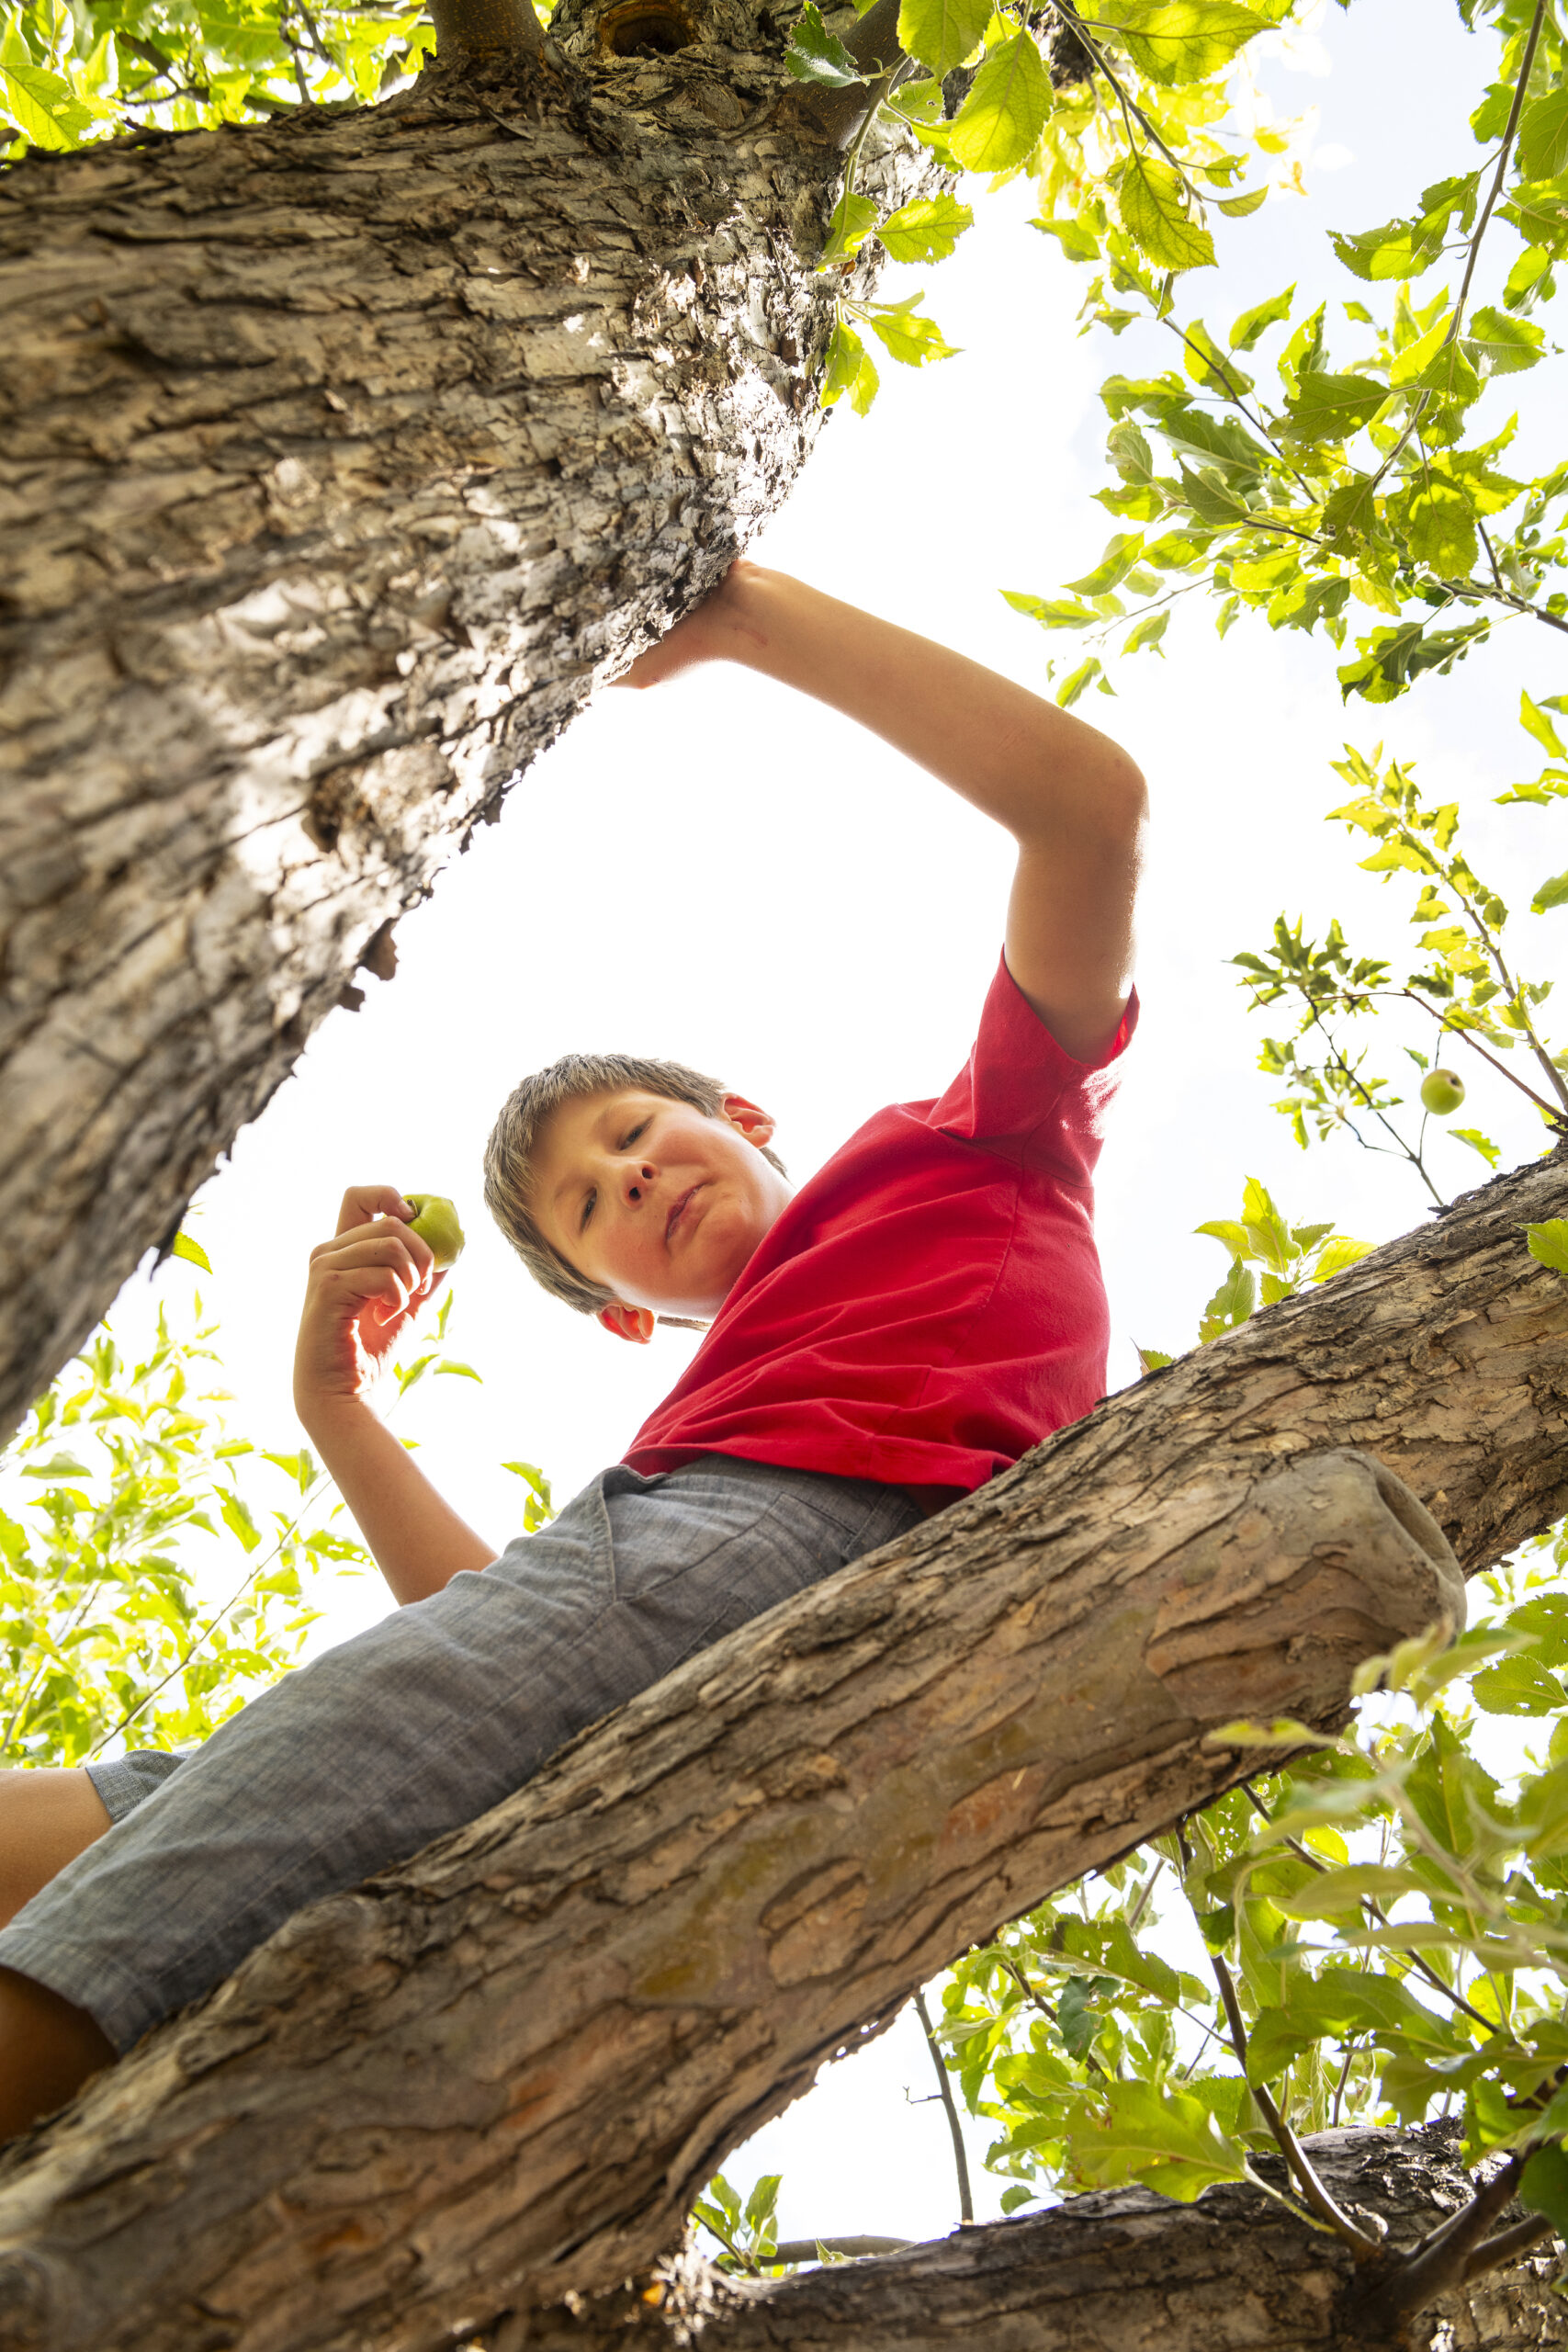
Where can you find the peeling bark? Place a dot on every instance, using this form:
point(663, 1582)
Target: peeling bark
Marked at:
point(1120, 2271)
point(496, 2073)
point(342, 456)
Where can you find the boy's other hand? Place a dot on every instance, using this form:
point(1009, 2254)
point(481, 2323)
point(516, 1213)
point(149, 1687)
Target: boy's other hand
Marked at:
point(365, 1286)
point(726, 627)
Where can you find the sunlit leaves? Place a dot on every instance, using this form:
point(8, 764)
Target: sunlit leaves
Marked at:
point(1548, 1243)
point(1332, 407)
point(926, 229)
point(1156, 214)
point(1255, 324)
point(905, 333)
point(942, 33)
point(854, 219)
point(850, 373)
point(1543, 136)
point(1006, 108)
point(1183, 40)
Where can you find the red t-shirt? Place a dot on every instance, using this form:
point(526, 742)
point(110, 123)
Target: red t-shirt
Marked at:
point(930, 1305)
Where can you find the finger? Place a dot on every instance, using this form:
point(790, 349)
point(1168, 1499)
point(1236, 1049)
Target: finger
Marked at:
point(349, 1290)
point(361, 1202)
point(378, 1245)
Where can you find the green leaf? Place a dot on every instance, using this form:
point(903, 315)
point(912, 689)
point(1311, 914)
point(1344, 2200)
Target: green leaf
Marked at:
point(1518, 1686)
point(44, 109)
point(1184, 41)
point(942, 33)
point(1333, 407)
point(1548, 1243)
point(1340, 1253)
point(1391, 658)
point(1168, 2138)
point(854, 219)
point(1543, 2185)
point(1154, 213)
point(927, 229)
point(907, 337)
point(1239, 207)
point(1552, 892)
point(1543, 136)
point(1256, 323)
point(235, 1513)
point(1050, 613)
point(1490, 1153)
point(1440, 529)
point(1081, 679)
point(816, 55)
point(58, 1466)
point(1503, 345)
point(192, 1251)
point(1534, 721)
point(1005, 111)
point(849, 370)
point(465, 1370)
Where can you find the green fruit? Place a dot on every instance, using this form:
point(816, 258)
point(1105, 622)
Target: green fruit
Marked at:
point(1442, 1092)
point(435, 1222)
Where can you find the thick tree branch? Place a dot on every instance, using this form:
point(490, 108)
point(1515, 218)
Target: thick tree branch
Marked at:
point(1120, 2271)
point(343, 456)
point(499, 2071)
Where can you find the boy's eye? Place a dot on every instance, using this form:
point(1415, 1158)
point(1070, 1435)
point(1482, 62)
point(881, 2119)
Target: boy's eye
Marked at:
point(587, 1212)
point(628, 1141)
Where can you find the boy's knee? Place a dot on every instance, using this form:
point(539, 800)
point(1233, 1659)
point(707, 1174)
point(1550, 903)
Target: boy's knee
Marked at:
point(48, 1816)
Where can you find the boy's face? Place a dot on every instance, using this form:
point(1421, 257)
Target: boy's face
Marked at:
point(657, 1202)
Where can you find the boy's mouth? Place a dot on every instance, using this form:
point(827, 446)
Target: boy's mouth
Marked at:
point(678, 1212)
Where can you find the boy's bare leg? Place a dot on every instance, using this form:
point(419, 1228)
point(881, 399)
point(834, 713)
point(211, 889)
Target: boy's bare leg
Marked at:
point(47, 1819)
point(48, 2048)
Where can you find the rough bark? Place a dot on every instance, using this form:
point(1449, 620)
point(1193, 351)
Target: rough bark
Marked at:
point(342, 456)
point(497, 2073)
point(1120, 2271)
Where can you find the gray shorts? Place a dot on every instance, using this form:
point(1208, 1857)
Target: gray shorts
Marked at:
point(423, 1723)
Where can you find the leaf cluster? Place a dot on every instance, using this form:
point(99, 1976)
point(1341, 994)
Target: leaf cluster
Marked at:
point(1351, 483)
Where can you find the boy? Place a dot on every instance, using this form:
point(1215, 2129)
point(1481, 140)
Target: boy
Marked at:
point(920, 1313)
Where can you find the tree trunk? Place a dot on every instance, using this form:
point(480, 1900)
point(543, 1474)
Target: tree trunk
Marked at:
point(343, 456)
point(497, 2073)
point(1120, 2271)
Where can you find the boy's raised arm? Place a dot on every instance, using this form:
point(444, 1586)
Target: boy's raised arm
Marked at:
point(364, 1285)
point(1072, 800)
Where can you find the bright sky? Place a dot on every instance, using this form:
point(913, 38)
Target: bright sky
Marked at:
point(725, 874)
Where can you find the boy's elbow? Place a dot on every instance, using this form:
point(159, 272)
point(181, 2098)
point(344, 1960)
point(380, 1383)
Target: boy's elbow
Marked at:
point(1124, 801)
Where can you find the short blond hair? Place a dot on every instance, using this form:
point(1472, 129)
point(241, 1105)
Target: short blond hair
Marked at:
point(509, 1168)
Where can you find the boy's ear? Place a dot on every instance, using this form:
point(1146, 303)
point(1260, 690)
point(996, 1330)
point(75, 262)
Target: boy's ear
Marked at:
point(755, 1125)
point(628, 1322)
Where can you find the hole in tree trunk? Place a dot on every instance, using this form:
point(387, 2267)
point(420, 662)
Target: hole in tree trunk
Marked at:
point(645, 29)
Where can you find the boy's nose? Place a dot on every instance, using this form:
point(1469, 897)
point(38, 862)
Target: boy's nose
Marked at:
point(636, 1183)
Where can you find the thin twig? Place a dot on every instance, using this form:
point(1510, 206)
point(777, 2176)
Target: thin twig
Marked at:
point(1418, 405)
point(1492, 2252)
point(960, 2158)
point(1312, 2191)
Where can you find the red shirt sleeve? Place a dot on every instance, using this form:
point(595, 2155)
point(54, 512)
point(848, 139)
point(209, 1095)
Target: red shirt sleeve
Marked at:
point(1021, 1095)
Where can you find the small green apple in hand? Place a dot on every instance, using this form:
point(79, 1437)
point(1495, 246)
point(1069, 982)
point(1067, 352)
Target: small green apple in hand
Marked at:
point(435, 1222)
point(1442, 1092)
